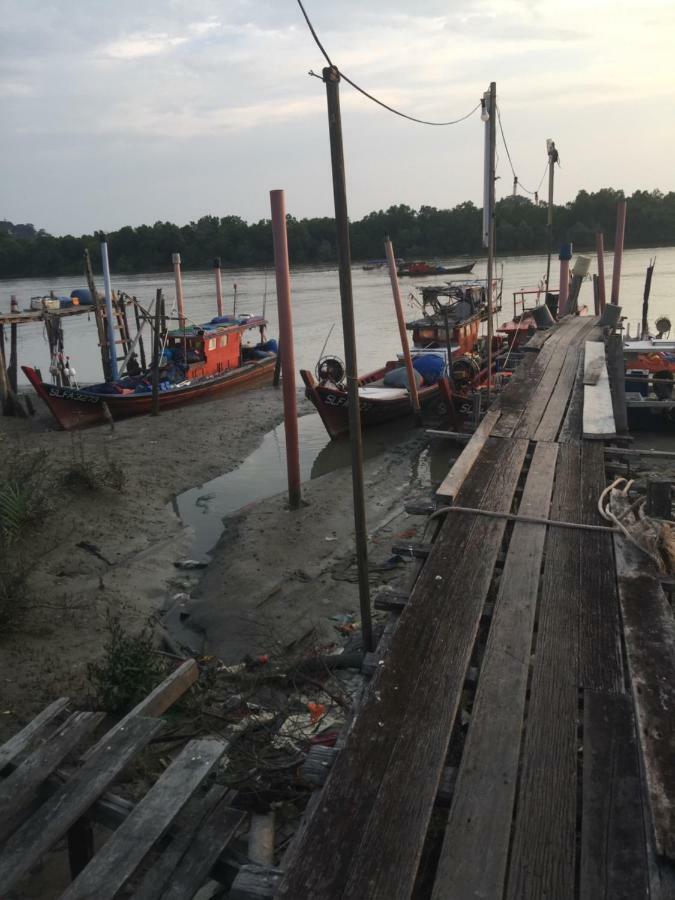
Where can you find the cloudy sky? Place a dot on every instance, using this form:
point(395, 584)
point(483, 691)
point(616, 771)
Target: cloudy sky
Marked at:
point(131, 111)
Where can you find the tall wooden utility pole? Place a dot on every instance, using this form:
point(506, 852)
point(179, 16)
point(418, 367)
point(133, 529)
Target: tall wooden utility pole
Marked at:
point(331, 78)
point(552, 159)
point(490, 100)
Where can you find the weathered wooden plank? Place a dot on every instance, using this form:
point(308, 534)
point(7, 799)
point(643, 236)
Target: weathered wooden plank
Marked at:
point(570, 431)
point(600, 655)
point(53, 819)
point(475, 848)
point(598, 417)
point(398, 823)
point(613, 846)
point(158, 876)
point(32, 732)
point(211, 839)
point(324, 854)
point(257, 883)
point(158, 701)
point(152, 816)
point(649, 633)
point(542, 861)
point(552, 419)
point(18, 789)
point(454, 480)
point(539, 399)
point(616, 371)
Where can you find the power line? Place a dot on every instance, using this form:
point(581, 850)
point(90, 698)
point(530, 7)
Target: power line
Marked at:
point(370, 96)
point(506, 147)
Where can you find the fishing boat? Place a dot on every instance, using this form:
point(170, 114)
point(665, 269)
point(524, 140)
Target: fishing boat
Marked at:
point(198, 362)
point(424, 268)
point(383, 393)
point(650, 377)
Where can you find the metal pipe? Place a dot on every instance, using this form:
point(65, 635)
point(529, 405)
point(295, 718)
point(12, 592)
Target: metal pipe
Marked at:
point(618, 249)
point(219, 285)
point(398, 306)
point(175, 259)
point(515, 517)
point(112, 352)
point(286, 350)
point(600, 249)
point(331, 78)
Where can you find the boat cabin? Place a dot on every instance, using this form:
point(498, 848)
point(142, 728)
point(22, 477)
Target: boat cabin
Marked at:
point(211, 349)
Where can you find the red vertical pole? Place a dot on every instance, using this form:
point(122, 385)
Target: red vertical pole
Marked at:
point(175, 259)
point(286, 350)
point(600, 248)
point(618, 249)
point(219, 285)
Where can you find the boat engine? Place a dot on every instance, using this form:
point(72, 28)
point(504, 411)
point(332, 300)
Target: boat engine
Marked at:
point(465, 369)
point(330, 368)
point(662, 326)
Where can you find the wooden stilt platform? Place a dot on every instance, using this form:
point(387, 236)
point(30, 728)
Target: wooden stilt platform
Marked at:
point(558, 793)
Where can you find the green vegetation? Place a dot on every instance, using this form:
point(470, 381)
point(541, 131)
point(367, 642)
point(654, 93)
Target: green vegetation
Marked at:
point(427, 232)
point(129, 670)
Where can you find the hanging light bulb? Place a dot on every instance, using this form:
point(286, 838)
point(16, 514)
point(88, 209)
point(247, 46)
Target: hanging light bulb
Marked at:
point(484, 114)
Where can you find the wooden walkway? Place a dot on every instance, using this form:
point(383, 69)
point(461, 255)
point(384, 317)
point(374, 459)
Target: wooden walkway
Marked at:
point(558, 794)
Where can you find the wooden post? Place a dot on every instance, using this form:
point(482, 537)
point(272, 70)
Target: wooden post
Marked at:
point(277, 367)
point(286, 350)
point(564, 256)
point(175, 259)
point(156, 344)
point(552, 158)
point(4, 384)
point(618, 249)
point(492, 127)
point(596, 295)
point(98, 315)
point(139, 336)
point(645, 301)
point(398, 306)
point(13, 365)
point(219, 285)
point(108, 307)
point(331, 78)
point(234, 305)
point(600, 249)
point(659, 499)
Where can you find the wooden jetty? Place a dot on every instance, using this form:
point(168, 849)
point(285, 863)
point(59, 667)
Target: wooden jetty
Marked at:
point(535, 661)
point(164, 846)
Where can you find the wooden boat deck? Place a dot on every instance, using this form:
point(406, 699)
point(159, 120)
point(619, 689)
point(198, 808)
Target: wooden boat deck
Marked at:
point(564, 754)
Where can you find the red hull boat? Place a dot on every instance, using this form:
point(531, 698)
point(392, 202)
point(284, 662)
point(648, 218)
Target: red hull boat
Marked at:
point(206, 361)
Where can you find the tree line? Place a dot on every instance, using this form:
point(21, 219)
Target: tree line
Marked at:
point(427, 233)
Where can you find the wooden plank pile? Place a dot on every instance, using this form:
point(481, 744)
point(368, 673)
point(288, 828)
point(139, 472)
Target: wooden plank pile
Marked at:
point(177, 830)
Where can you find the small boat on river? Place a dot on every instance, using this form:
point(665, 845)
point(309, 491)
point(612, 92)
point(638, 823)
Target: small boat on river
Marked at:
point(449, 364)
point(424, 268)
point(198, 362)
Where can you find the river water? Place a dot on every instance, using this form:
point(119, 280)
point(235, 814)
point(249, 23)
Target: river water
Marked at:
point(316, 304)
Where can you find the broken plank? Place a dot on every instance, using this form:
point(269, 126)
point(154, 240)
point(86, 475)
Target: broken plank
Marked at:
point(389, 600)
point(613, 848)
point(35, 730)
point(256, 883)
point(158, 876)
point(122, 854)
point(598, 414)
point(214, 834)
point(53, 819)
point(19, 788)
point(453, 481)
point(649, 633)
point(475, 848)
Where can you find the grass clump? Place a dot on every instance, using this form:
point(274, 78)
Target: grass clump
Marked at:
point(129, 670)
point(85, 474)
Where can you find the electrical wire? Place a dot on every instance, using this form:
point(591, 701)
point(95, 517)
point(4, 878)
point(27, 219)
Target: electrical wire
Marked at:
point(513, 171)
point(370, 96)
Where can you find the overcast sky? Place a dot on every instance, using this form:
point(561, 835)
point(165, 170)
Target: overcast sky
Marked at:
point(132, 111)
